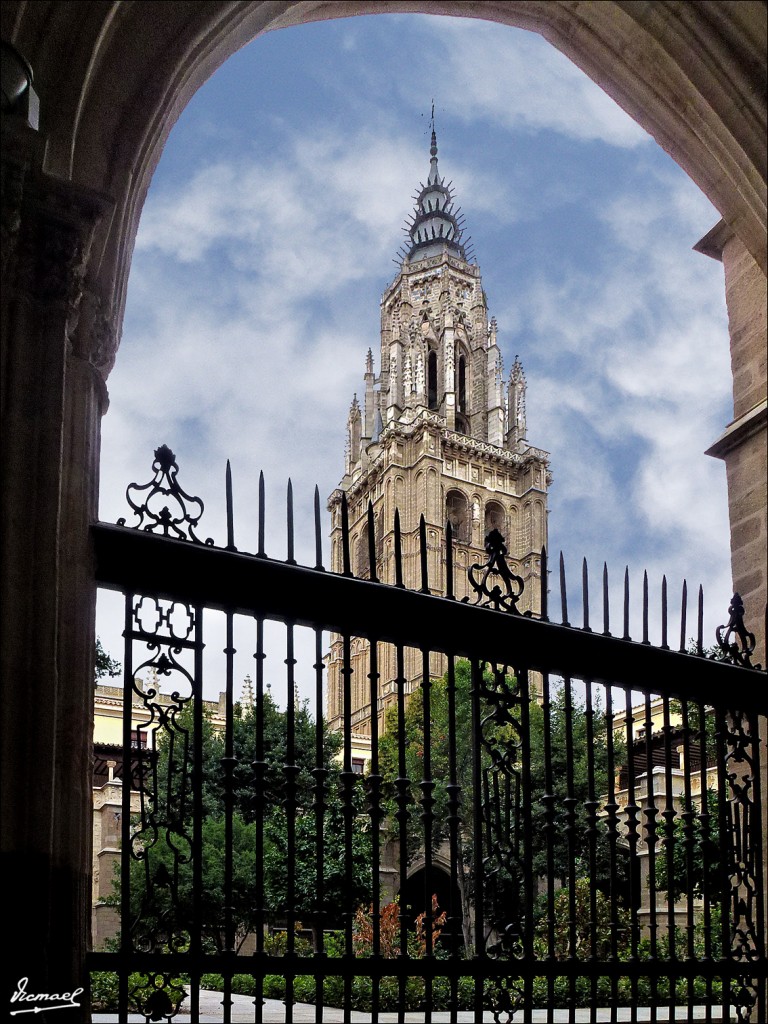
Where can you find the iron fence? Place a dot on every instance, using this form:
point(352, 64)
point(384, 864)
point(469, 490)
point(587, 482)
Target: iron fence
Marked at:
point(555, 817)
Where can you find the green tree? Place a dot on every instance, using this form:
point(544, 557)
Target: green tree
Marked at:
point(105, 664)
point(582, 923)
point(163, 892)
point(688, 863)
point(275, 754)
point(570, 758)
point(162, 889)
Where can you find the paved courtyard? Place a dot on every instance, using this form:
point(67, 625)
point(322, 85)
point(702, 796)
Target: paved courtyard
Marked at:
point(211, 1012)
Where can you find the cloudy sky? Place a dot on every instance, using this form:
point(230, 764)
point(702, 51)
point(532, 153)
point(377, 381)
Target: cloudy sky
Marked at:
point(268, 237)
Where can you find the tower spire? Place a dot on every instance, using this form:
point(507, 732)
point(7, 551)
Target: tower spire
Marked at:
point(434, 177)
point(435, 223)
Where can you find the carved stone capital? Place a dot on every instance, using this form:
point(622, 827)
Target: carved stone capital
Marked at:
point(58, 221)
point(95, 338)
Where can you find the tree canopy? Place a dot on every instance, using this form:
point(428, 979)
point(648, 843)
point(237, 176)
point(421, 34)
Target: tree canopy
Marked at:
point(162, 887)
point(105, 664)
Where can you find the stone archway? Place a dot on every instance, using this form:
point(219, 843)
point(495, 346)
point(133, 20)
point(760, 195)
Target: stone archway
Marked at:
point(112, 79)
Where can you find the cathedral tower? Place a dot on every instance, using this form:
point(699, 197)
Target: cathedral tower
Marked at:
point(438, 433)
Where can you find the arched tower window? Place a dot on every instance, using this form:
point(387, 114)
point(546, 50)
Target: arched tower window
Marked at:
point(379, 520)
point(495, 519)
point(362, 560)
point(457, 514)
point(432, 379)
point(362, 546)
point(462, 385)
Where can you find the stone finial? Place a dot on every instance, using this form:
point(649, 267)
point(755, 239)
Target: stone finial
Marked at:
point(516, 419)
point(517, 374)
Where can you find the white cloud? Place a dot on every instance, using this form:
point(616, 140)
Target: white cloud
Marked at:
point(517, 80)
point(323, 214)
point(638, 388)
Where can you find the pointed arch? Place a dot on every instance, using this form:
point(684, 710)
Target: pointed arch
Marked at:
point(432, 392)
point(527, 527)
point(458, 515)
point(461, 383)
point(116, 92)
point(539, 526)
point(495, 519)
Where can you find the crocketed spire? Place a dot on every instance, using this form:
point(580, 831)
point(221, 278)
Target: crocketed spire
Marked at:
point(435, 221)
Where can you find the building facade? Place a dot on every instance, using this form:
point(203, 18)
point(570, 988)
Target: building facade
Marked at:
point(441, 434)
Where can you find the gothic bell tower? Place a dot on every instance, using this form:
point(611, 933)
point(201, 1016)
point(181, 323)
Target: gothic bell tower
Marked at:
point(439, 434)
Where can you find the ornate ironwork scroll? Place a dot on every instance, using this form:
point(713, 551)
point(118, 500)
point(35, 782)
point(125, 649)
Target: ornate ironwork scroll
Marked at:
point(161, 839)
point(507, 997)
point(501, 596)
point(155, 515)
point(502, 795)
point(736, 643)
point(744, 866)
point(740, 742)
point(158, 996)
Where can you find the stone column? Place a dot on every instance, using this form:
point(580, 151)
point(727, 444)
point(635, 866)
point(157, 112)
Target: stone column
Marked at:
point(53, 398)
point(743, 444)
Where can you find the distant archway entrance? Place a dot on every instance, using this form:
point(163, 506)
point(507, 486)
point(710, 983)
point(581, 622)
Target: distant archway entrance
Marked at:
point(414, 898)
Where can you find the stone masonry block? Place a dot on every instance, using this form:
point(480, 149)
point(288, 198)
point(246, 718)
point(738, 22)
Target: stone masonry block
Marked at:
point(750, 529)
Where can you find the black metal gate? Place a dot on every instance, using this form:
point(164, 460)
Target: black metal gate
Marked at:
point(588, 807)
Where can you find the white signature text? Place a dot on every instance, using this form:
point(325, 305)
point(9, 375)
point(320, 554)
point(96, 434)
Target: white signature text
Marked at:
point(66, 1000)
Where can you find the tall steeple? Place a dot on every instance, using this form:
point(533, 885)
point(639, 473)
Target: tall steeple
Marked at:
point(439, 350)
point(441, 434)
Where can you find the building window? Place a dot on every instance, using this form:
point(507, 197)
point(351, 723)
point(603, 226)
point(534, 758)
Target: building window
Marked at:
point(457, 514)
point(495, 518)
point(432, 380)
point(362, 552)
point(358, 765)
point(462, 385)
point(362, 557)
point(379, 522)
point(139, 738)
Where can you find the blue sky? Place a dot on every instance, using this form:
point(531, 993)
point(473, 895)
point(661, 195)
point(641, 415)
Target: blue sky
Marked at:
point(268, 237)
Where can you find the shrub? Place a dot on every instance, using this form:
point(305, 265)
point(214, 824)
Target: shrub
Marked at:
point(274, 986)
point(243, 984)
point(105, 991)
